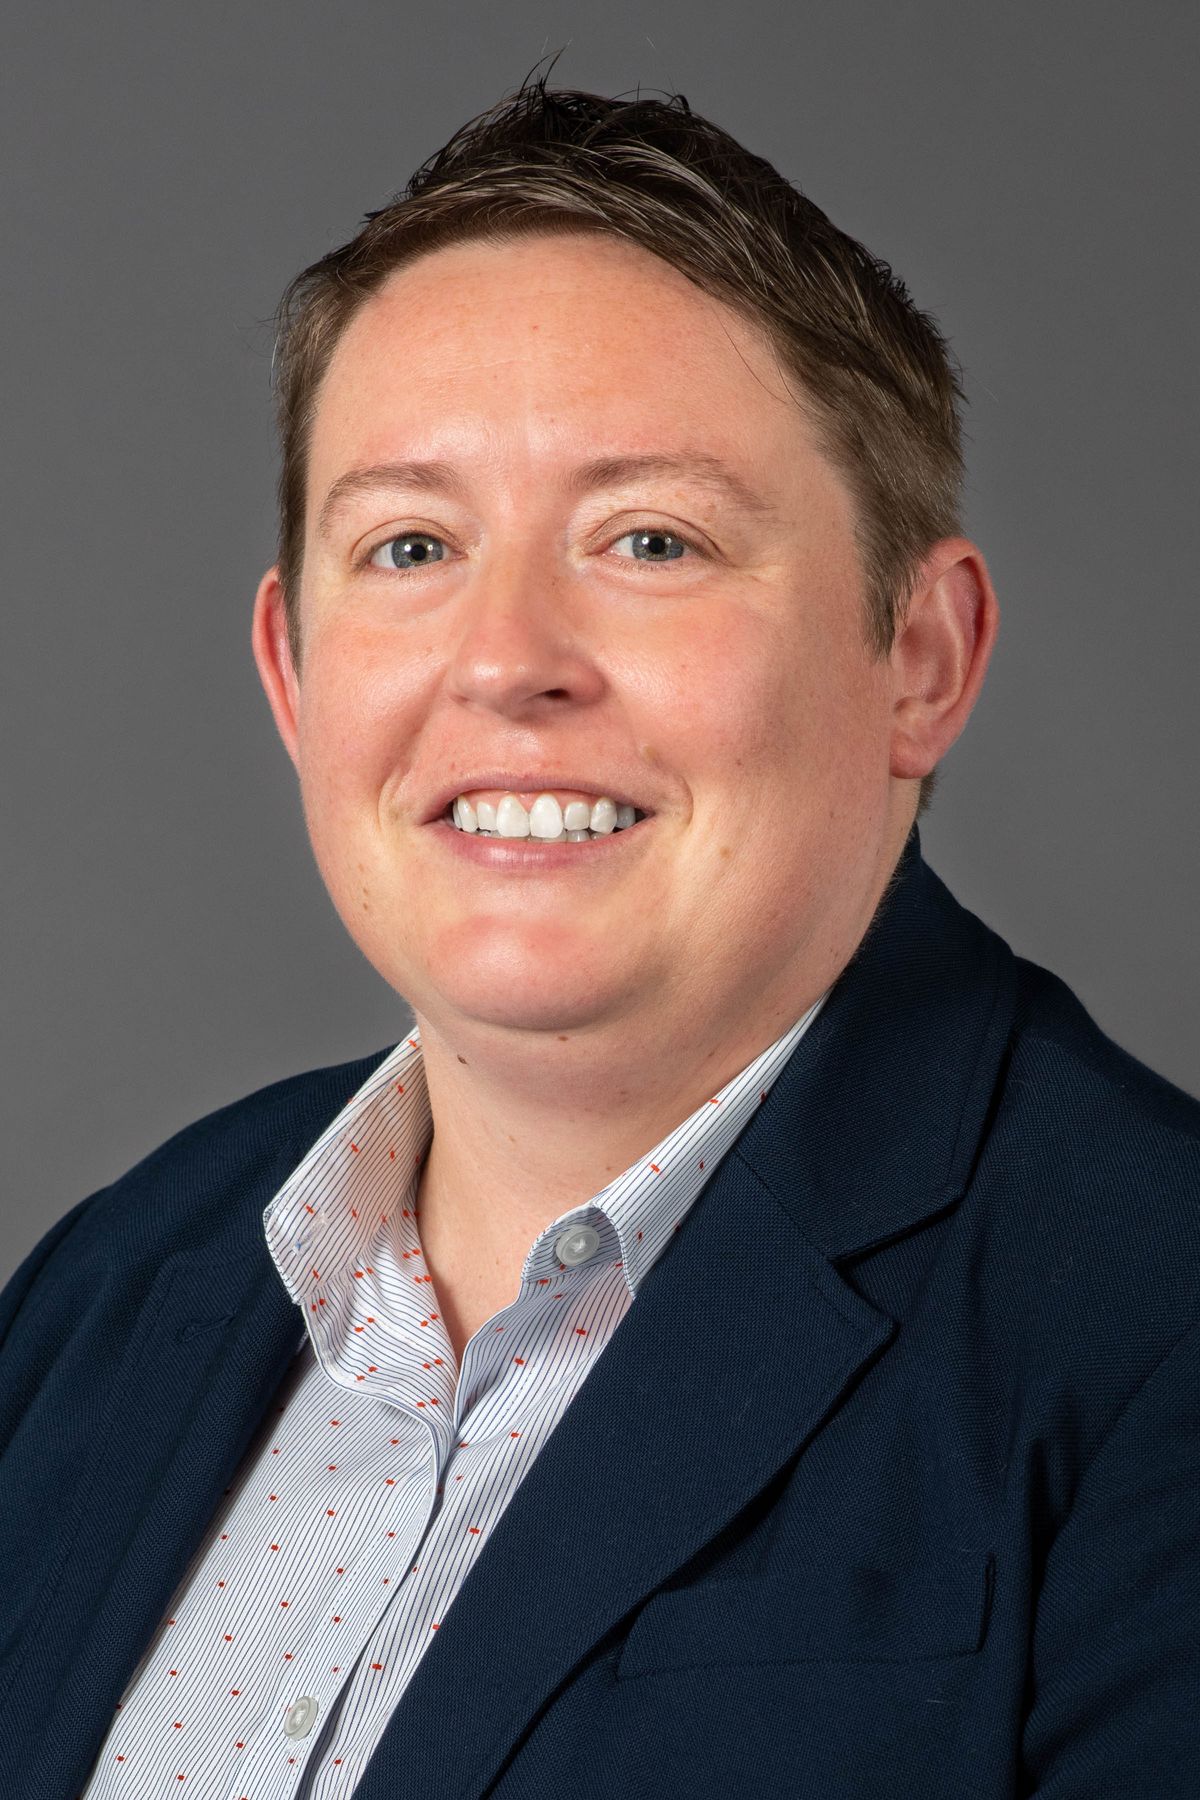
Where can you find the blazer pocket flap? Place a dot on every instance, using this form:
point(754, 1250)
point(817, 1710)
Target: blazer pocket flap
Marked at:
point(859, 1614)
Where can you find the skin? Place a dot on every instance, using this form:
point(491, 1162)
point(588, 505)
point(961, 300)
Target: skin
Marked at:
point(570, 1020)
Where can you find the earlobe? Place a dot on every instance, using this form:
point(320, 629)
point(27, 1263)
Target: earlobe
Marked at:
point(273, 657)
point(940, 655)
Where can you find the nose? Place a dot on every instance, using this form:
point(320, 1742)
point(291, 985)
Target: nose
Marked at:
point(521, 648)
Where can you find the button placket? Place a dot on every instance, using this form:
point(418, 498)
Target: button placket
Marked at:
point(283, 1735)
point(301, 1716)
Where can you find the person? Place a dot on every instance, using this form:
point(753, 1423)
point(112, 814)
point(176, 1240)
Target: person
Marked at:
point(743, 1337)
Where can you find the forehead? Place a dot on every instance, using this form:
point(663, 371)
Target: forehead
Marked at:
point(535, 346)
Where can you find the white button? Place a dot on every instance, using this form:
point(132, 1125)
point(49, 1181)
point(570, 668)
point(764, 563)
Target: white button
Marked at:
point(300, 1716)
point(575, 1246)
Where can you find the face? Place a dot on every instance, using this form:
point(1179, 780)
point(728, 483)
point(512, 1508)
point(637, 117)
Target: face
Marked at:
point(685, 635)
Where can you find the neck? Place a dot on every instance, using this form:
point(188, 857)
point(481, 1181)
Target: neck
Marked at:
point(508, 1157)
point(528, 1124)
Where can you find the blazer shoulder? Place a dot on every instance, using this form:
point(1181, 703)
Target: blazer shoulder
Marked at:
point(1097, 1089)
point(207, 1182)
point(288, 1114)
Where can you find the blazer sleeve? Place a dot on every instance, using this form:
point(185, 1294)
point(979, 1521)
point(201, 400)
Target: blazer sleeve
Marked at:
point(1113, 1706)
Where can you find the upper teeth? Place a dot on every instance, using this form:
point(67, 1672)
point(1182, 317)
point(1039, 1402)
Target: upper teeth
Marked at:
point(545, 819)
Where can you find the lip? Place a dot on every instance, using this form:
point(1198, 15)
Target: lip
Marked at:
point(537, 781)
point(522, 855)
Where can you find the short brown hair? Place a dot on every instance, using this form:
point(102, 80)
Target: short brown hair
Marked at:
point(876, 376)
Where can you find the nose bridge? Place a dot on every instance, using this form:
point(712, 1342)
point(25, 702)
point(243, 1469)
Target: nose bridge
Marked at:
point(516, 640)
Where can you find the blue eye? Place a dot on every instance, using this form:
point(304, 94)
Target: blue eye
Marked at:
point(662, 546)
point(407, 551)
point(411, 550)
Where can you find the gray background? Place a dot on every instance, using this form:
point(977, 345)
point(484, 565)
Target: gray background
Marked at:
point(1025, 168)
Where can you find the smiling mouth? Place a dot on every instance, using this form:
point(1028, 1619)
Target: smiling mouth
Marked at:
point(515, 856)
point(543, 822)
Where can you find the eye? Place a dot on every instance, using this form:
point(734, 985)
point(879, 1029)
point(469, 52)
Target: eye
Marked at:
point(653, 545)
point(411, 550)
point(407, 551)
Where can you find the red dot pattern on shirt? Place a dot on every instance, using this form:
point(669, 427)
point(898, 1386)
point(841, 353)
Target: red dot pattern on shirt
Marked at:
point(367, 1271)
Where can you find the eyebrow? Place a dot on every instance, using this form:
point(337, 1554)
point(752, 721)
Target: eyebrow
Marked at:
point(433, 477)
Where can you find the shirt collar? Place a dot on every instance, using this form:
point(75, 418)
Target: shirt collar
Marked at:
point(332, 1212)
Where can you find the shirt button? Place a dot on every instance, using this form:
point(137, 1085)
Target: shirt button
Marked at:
point(577, 1245)
point(300, 1716)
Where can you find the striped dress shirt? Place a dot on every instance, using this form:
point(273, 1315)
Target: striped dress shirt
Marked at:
point(381, 1469)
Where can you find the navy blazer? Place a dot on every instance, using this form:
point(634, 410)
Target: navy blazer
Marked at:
point(888, 1484)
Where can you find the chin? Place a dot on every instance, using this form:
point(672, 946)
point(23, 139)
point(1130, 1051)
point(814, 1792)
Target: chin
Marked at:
point(523, 976)
point(529, 1001)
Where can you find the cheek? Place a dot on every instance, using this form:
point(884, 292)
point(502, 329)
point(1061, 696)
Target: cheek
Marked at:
point(357, 725)
point(790, 720)
point(745, 702)
point(713, 687)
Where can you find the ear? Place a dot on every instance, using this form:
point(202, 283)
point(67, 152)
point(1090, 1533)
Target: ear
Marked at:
point(940, 655)
point(273, 655)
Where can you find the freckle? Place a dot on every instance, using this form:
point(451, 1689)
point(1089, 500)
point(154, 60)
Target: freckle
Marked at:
point(725, 850)
point(563, 1038)
point(463, 1061)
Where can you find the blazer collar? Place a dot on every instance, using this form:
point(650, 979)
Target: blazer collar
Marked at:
point(875, 1123)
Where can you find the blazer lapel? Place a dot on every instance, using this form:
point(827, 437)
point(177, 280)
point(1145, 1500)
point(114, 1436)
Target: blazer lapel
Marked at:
point(202, 1380)
point(210, 1339)
point(743, 1339)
